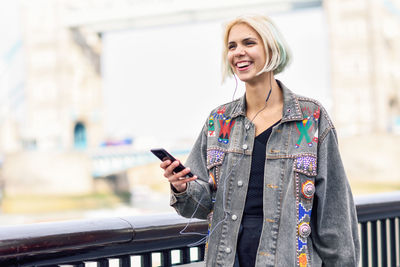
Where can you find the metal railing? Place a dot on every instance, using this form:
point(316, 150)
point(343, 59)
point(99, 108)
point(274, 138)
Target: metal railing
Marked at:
point(379, 220)
point(157, 240)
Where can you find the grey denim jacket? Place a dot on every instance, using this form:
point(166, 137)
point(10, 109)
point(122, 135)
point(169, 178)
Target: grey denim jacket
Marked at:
point(309, 213)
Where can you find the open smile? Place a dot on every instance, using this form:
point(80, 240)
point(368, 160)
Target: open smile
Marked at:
point(243, 65)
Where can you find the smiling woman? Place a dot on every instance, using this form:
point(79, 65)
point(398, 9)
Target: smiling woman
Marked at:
point(268, 173)
point(258, 32)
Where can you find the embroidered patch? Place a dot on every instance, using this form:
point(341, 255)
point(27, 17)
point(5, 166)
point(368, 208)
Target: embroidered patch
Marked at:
point(315, 138)
point(212, 180)
point(306, 126)
point(219, 115)
point(225, 130)
point(306, 164)
point(214, 157)
point(303, 260)
point(308, 189)
point(303, 212)
point(303, 205)
point(301, 244)
point(303, 127)
point(211, 127)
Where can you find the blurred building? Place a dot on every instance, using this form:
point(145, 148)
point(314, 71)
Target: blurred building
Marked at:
point(365, 65)
point(63, 82)
point(61, 112)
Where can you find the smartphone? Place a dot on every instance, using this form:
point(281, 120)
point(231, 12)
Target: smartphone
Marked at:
point(163, 155)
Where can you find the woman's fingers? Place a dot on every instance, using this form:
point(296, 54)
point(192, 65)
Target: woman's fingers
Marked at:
point(169, 170)
point(179, 179)
point(165, 164)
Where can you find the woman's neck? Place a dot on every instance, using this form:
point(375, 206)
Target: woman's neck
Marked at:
point(257, 93)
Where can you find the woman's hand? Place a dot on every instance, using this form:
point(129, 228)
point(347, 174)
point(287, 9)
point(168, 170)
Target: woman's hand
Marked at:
point(178, 180)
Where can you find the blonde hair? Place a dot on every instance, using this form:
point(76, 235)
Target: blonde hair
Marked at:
point(276, 50)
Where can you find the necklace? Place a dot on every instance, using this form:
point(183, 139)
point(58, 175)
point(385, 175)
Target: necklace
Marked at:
point(266, 101)
point(258, 112)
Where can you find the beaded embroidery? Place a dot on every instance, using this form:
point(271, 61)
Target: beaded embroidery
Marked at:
point(303, 212)
point(212, 180)
point(214, 157)
point(301, 244)
point(219, 115)
point(303, 260)
point(306, 126)
point(225, 131)
point(306, 164)
point(211, 127)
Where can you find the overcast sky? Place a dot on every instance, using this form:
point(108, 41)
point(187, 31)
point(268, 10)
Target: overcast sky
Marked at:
point(162, 82)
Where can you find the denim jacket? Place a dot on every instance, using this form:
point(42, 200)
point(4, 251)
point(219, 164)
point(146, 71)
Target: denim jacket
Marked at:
point(309, 213)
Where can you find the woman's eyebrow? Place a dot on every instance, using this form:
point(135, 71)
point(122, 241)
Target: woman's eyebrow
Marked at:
point(244, 40)
point(249, 39)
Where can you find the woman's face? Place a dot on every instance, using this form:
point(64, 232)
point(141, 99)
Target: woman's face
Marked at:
point(246, 53)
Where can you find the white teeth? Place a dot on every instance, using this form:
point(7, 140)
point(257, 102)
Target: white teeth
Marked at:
point(243, 64)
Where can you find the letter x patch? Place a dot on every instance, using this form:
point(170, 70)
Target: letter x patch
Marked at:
point(303, 128)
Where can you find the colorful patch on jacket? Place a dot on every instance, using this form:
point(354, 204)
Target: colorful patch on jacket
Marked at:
point(303, 129)
point(214, 157)
point(225, 130)
point(306, 126)
point(303, 260)
point(220, 114)
point(303, 212)
point(211, 127)
point(212, 181)
point(306, 164)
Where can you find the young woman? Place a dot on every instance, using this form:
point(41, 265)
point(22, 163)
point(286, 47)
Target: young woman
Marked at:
point(269, 177)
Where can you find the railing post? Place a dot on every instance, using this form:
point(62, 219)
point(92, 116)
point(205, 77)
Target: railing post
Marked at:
point(383, 243)
point(103, 263)
point(374, 243)
point(364, 244)
point(201, 252)
point(393, 255)
point(146, 260)
point(166, 258)
point(125, 261)
point(185, 255)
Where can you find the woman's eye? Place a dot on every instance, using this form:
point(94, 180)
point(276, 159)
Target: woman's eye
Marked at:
point(231, 46)
point(250, 43)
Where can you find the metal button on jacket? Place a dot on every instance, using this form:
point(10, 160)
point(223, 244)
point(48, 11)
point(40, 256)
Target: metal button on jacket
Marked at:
point(304, 230)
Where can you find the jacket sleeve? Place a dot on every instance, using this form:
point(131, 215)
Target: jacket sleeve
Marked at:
point(335, 225)
point(196, 200)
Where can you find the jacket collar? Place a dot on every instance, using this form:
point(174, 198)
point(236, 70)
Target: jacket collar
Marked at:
point(291, 107)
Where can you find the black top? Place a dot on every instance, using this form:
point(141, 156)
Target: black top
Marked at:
point(252, 221)
point(254, 198)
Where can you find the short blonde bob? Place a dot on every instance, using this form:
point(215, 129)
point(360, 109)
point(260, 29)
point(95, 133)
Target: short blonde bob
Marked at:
point(276, 49)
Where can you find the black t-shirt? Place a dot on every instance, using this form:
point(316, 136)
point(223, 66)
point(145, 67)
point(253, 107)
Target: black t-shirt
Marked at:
point(252, 221)
point(254, 198)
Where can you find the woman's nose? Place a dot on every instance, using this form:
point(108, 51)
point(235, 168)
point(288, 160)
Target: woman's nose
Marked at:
point(240, 51)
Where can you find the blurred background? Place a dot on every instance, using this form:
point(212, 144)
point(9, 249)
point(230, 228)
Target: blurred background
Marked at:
point(88, 87)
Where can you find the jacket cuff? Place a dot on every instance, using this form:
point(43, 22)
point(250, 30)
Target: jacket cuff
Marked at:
point(176, 196)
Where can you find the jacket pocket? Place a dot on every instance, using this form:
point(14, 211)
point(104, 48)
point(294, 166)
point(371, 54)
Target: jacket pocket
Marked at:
point(305, 170)
point(215, 158)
